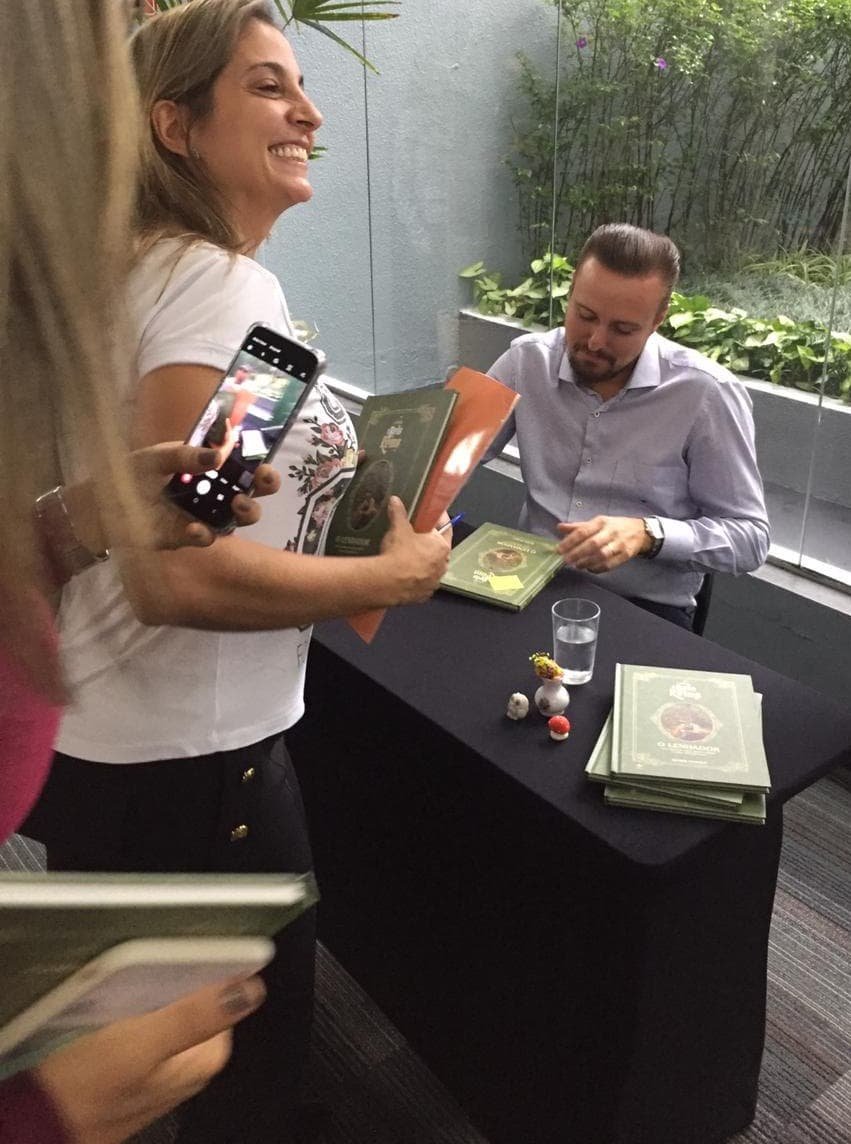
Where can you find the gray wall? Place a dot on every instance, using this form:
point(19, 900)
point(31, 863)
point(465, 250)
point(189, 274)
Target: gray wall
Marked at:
point(440, 122)
point(804, 638)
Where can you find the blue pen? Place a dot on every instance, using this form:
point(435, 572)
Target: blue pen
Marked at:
point(450, 523)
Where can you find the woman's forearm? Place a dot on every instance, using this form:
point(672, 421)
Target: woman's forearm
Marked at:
point(242, 586)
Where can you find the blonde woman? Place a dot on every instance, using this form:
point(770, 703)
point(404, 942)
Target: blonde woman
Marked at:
point(64, 213)
point(173, 756)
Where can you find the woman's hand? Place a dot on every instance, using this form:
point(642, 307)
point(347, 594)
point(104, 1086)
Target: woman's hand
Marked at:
point(154, 466)
point(110, 1084)
point(416, 560)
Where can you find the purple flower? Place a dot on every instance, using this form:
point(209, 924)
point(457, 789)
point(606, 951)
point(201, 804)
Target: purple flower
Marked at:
point(582, 42)
point(661, 63)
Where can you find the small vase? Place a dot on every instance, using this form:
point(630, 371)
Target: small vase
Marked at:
point(551, 698)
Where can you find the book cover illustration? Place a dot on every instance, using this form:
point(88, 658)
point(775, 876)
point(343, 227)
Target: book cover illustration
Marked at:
point(502, 566)
point(482, 408)
point(688, 726)
point(400, 434)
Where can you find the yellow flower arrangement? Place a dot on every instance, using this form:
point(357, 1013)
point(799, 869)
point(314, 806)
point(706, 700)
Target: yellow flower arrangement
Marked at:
point(545, 666)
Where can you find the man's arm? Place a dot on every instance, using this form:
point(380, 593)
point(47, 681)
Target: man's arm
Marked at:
point(732, 532)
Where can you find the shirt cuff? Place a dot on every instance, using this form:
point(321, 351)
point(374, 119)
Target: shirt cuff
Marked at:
point(679, 540)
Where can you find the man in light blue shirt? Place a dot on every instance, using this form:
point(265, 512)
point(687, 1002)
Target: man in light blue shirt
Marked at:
point(638, 452)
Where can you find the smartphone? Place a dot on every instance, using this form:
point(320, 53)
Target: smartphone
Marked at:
point(260, 396)
point(128, 980)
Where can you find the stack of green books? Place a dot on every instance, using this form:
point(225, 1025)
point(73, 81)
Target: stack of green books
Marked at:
point(502, 566)
point(687, 742)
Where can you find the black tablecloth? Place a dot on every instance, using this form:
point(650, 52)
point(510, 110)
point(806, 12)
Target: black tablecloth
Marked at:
point(574, 972)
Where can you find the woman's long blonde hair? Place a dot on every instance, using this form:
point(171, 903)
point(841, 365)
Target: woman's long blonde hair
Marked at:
point(68, 150)
point(178, 55)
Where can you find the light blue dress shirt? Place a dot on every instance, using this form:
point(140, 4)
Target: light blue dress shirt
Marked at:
point(677, 442)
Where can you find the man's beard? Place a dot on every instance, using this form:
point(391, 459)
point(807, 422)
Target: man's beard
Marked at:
point(609, 368)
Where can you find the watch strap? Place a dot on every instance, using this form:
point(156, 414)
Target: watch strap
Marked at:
point(64, 552)
point(653, 529)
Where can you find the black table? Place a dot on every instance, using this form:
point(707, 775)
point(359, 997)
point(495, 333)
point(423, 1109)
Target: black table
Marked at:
point(573, 972)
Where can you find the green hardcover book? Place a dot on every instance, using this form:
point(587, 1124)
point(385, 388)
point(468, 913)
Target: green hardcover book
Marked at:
point(751, 810)
point(52, 926)
point(400, 434)
point(675, 725)
point(501, 566)
point(599, 770)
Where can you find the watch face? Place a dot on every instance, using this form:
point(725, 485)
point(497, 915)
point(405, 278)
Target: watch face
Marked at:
point(654, 528)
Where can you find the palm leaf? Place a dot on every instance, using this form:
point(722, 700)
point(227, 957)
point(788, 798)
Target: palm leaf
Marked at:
point(316, 13)
point(303, 11)
point(343, 44)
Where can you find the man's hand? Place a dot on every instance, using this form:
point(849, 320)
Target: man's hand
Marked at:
point(110, 1084)
point(154, 466)
point(418, 559)
point(602, 543)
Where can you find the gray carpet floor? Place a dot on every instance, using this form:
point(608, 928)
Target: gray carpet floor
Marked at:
point(379, 1092)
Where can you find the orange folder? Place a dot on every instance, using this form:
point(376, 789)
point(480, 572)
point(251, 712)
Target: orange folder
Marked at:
point(482, 408)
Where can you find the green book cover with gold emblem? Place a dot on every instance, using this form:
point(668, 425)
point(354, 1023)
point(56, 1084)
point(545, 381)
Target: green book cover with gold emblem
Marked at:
point(501, 566)
point(672, 724)
point(400, 434)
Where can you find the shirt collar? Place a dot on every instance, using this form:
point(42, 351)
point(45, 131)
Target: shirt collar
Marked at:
point(646, 374)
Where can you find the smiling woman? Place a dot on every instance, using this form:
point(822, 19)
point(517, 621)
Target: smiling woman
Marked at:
point(180, 754)
point(235, 113)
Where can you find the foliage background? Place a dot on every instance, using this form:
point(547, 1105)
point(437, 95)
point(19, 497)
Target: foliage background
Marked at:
point(778, 349)
point(723, 123)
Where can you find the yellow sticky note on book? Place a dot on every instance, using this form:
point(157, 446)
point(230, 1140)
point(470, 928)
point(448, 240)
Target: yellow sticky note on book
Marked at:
point(506, 583)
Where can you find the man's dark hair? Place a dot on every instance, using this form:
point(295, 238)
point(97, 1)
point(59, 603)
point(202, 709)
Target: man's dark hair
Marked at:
point(633, 252)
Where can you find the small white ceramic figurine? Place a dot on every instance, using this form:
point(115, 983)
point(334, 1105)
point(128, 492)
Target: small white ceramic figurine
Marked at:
point(518, 706)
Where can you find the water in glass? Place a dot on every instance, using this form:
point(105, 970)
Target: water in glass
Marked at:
point(576, 646)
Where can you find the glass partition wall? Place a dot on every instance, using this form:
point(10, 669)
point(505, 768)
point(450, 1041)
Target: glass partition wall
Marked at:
point(825, 540)
point(500, 132)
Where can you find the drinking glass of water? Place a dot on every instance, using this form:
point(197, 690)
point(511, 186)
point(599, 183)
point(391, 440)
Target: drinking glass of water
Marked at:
point(575, 626)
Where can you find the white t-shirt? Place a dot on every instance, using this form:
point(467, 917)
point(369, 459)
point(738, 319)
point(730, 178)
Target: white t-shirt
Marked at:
point(141, 693)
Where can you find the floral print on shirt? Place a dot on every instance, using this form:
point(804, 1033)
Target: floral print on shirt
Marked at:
point(324, 471)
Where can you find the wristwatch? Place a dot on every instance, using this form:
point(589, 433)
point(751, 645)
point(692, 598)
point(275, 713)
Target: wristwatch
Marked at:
point(653, 528)
point(64, 551)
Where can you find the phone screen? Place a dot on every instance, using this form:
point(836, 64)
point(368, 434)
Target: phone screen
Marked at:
point(259, 398)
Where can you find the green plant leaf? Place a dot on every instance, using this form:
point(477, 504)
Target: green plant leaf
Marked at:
point(684, 318)
point(315, 13)
point(303, 11)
